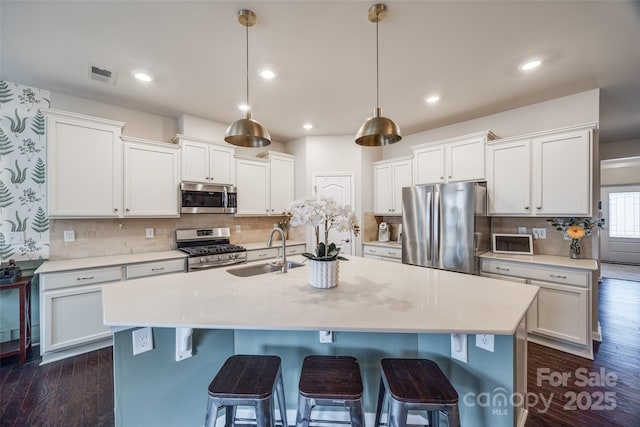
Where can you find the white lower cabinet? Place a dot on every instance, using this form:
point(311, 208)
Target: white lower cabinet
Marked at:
point(71, 306)
point(559, 311)
point(64, 308)
point(383, 253)
point(560, 315)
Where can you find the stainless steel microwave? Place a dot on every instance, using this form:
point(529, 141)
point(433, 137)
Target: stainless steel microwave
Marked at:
point(208, 198)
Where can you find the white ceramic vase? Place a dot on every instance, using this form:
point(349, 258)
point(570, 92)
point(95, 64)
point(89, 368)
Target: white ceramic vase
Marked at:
point(323, 274)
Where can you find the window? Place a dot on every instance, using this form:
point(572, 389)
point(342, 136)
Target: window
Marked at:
point(624, 214)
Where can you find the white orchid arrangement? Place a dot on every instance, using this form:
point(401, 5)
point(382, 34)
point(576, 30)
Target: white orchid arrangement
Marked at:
point(323, 211)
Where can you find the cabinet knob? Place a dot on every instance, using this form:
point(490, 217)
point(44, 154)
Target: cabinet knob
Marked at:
point(538, 207)
point(449, 176)
point(442, 177)
point(127, 209)
point(526, 207)
point(115, 209)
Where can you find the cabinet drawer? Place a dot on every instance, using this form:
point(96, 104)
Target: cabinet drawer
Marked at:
point(262, 254)
point(537, 272)
point(154, 268)
point(382, 251)
point(295, 250)
point(79, 278)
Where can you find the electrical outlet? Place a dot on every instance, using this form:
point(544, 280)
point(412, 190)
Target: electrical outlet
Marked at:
point(237, 229)
point(485, 341)
point(459, 347)
point(522, 230)
point(149, 233)
point(326, 337)
point(142, 340)
point(69, 236)
point(539, 233)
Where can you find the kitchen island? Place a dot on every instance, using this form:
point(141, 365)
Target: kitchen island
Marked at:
point(378, 310)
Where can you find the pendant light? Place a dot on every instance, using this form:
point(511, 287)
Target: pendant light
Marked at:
point(378, 130)
point(247, 132)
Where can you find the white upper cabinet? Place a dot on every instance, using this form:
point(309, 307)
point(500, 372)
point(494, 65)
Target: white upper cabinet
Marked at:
point(509, 178)
point(452, 160)
point(562, 178)
point(388, 179)
point(151, 178)
point(252, 183)
point(205, 161)
point(84, 161)
point(545, 174)
point(281, 177)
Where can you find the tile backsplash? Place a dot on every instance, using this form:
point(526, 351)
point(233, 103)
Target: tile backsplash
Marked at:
point(100, 237)
point(554, 244)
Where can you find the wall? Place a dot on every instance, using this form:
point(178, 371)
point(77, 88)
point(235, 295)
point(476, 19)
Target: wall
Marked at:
point(326, 154)
point(560, 112)
point(620, 171)
point(620, 149)
point(138, 123)
point(214, 131)
point(22, 195)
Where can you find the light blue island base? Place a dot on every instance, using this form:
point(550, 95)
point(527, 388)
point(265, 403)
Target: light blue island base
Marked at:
point(152, 389)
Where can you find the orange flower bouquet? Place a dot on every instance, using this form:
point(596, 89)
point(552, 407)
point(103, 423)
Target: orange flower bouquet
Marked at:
point(575, 229)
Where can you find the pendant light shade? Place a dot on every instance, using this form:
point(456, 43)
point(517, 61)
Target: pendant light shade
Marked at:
point(247, 132)
point(378, 130)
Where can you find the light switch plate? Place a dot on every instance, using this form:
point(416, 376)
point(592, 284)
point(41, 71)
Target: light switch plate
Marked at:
point(14, 237)
point(69, 236)
point(149, 232)
point(522, 230)
point(459, 347)
point(485, 342)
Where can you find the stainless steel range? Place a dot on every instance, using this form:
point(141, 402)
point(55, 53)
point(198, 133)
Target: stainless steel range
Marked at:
point(209, 248)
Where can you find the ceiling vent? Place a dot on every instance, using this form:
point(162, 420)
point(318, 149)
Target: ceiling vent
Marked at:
point(102, 75)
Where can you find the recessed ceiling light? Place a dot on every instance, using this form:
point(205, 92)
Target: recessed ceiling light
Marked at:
point(531, 65)
point(267, 74)
point(244, 107)
point(308, 126)
point(432, 99)
point(143, 77)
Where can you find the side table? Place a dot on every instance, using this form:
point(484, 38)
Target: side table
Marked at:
point(23, 345)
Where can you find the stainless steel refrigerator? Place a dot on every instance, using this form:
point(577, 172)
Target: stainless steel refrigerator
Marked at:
point(445, 226)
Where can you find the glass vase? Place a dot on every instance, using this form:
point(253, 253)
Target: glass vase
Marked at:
point(574, 249)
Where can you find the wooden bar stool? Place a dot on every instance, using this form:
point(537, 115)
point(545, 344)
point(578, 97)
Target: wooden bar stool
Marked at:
point(330, 381)
point(416, 384)
point(246, 380)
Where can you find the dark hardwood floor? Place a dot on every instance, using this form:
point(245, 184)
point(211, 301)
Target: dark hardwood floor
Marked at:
point(79, 391)
point(73, 392)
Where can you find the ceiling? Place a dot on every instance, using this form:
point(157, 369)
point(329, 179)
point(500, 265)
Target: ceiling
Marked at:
point(468, 52)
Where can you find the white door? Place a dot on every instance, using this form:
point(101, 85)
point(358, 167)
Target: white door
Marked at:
point(339, 188)
point(620, 235)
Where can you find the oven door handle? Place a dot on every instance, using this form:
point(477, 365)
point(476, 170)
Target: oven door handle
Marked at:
point(221, 264)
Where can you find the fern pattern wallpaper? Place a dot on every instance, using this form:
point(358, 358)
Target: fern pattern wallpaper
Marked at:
point(24, 228)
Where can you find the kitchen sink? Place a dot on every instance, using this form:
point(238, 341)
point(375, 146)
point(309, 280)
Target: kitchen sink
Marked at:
point(254, 270)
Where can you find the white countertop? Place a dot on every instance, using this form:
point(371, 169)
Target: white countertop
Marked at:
point(389, 244)
point(552, 260)
point(106, 261)
point(371, 297)
point(263, 245)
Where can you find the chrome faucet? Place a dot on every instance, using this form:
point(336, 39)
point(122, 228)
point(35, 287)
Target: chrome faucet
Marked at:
point(284, 247)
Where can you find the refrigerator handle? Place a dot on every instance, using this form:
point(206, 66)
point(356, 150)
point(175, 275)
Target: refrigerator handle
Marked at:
point(436, 225)
point(428, 228)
